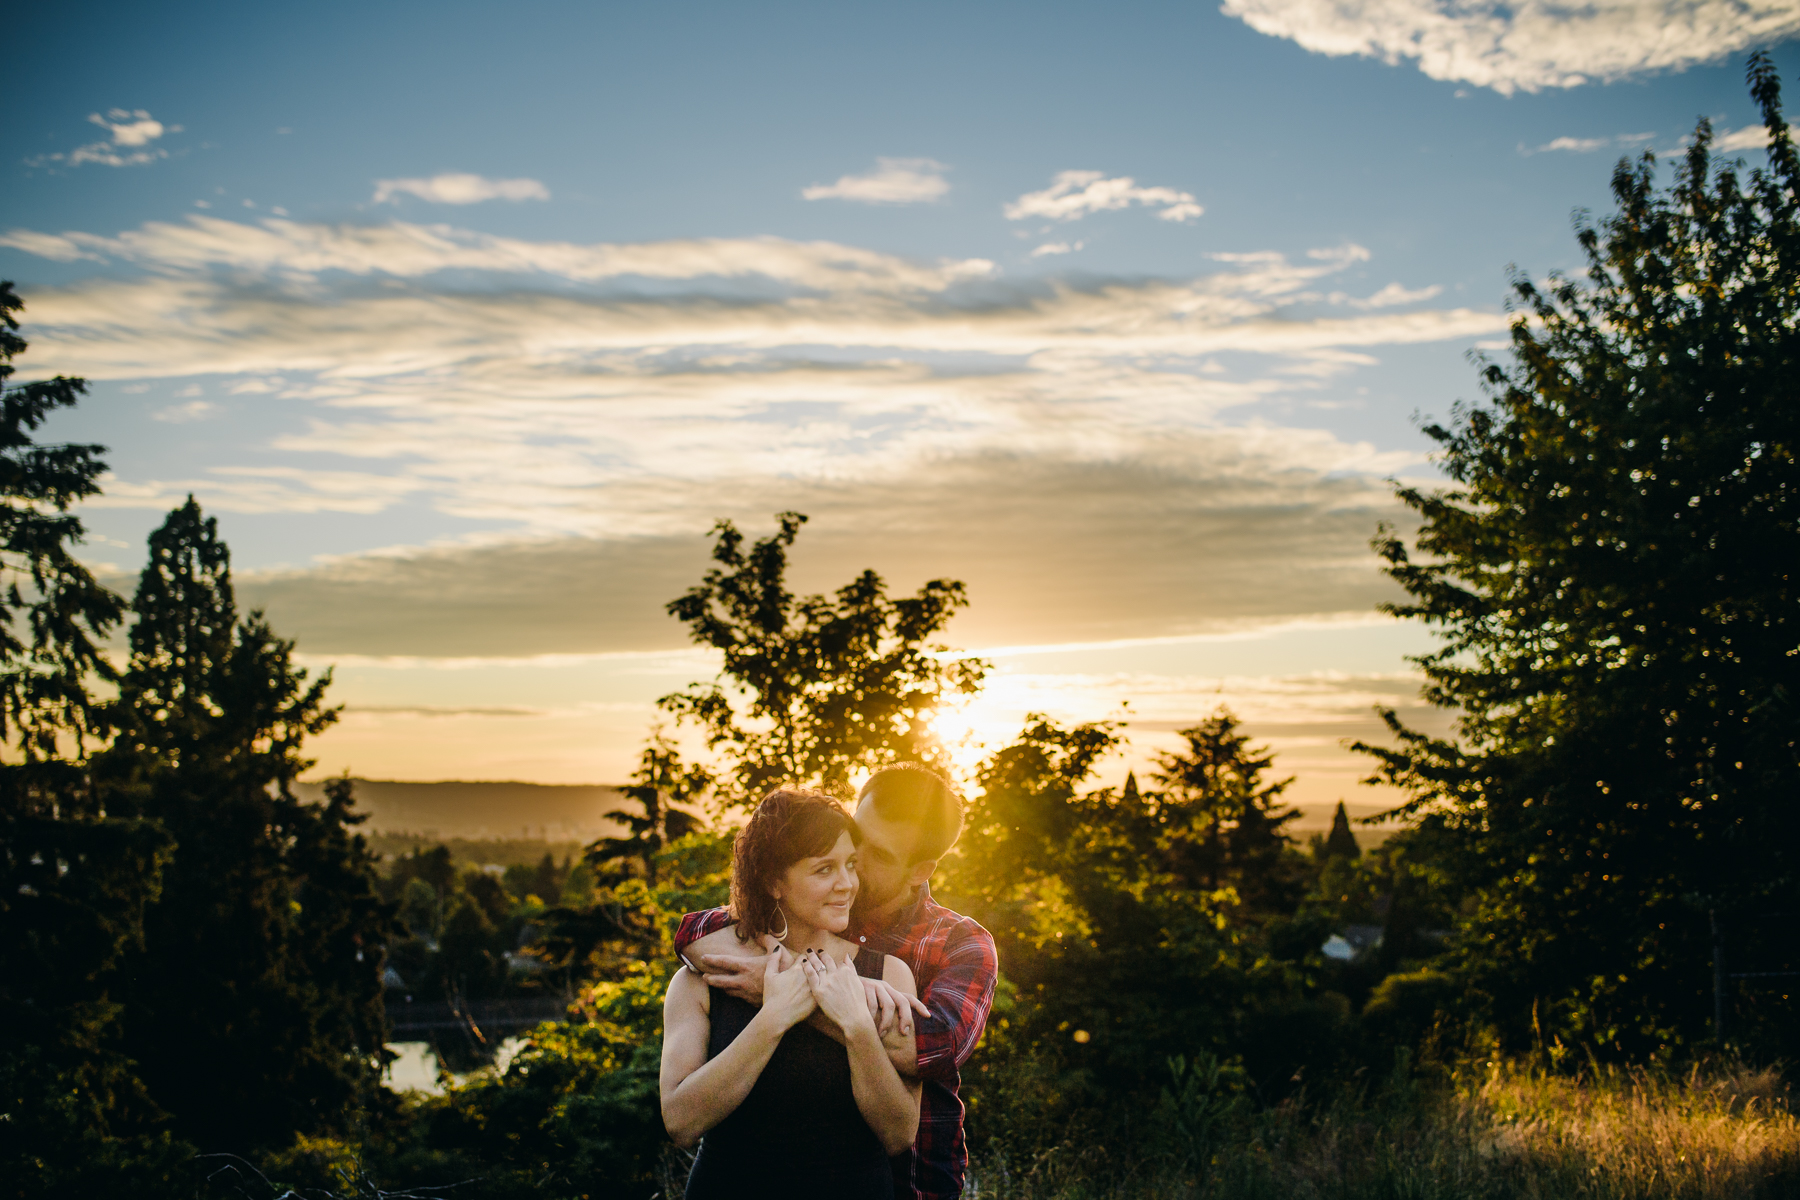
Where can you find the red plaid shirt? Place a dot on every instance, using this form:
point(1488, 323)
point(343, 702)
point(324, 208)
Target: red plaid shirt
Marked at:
point(954, 965)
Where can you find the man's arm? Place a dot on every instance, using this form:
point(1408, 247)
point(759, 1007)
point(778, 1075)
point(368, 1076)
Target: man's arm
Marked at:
point(696, 925)
point(959, 995)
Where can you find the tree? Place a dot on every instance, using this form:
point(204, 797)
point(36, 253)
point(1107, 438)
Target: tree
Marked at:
point(1612, 577)
point(827, 683)
point(53, 613)
point(1341, 842)
point(1220, 823)
point(263, 957)
point(74, 1116)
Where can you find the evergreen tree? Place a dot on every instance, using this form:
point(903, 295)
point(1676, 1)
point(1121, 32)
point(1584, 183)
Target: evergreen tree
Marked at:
point(74, 1117)
point(1220, 823)
point(1612, 576)
point(827, 683)
point(1340, 842)
point(263, 957)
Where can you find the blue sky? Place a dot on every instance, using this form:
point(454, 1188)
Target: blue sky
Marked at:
point(468, 322)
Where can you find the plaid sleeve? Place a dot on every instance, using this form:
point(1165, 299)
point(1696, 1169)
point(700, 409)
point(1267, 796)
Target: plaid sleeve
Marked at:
point(959, 996)
point(696, 925)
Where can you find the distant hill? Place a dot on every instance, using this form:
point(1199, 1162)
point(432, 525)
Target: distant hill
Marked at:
point(550, 812)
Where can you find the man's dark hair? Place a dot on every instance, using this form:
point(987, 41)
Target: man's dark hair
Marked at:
point(914, 794)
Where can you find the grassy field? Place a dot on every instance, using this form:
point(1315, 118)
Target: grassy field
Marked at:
point(1488, 1132)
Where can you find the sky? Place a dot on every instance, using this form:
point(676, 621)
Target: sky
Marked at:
point(469, 322)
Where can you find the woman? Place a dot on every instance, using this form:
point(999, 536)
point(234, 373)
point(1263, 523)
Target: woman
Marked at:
point(797, 1097)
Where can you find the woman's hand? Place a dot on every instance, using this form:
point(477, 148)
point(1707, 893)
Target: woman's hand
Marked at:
point(838, 990)
point(787, 995)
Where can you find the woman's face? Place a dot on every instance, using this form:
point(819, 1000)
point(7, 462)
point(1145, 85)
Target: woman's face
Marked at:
point(818, 891)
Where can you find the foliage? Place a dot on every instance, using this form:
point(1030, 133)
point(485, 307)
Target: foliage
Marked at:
point(262, 957)
point(1117, 950)
point(54, 614)
point(74, 1116)
point(1612, 579)
point(827, 684)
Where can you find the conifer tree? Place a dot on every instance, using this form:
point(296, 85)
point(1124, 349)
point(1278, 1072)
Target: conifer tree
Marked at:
point(263, 957)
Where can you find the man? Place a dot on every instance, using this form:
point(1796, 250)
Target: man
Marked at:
point(909, 817)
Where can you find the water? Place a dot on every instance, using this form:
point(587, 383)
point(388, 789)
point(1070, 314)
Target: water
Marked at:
point(416, 1069)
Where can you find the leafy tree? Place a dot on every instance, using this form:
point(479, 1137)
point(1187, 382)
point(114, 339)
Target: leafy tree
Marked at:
point(826, 684)
point(74, 1117)
point(1612, 576)
point(262, 959)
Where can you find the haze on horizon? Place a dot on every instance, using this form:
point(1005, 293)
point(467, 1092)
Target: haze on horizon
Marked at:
point(469, 329)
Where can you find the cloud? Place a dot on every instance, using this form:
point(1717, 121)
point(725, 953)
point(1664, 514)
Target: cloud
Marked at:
point(1075, 194)
point(1575, 145)
point(459, 189)
point(1528, 45)
point(1073, 447)
point(1391, 296)
point(193, 410)
point(132, 132)
point(1061, 551)
point(293, 250)
point(1049, 248)
point(893, 181)
point(1750, 137)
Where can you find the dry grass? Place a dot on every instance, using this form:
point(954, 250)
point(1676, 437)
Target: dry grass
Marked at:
point(1491, 1133)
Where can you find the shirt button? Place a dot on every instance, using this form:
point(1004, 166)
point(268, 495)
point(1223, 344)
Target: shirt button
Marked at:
point(862, 939)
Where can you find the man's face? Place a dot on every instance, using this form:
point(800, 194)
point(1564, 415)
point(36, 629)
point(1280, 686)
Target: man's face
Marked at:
point(883, 860)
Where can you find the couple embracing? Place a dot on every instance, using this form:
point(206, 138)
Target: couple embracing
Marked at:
point(811, 1046)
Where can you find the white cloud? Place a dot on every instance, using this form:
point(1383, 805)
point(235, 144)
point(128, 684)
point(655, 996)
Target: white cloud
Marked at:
point(1075, 194)
point(1526, 45)
point(893, 181)
point(132, 132)
point(1056, 248)
point(459, 189)
point(1390, 296)
point(1750, 137)
point(900, 396)
point(193, 410)
point(1575, 145)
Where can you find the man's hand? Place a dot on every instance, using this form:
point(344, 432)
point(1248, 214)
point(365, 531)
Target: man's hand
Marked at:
point(887, 1004)
point(735, 975)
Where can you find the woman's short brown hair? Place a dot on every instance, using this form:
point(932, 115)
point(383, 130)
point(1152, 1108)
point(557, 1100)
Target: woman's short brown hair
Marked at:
point(789, 824)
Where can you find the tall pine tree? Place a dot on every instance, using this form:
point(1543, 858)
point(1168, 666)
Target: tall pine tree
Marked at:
point(263, 958)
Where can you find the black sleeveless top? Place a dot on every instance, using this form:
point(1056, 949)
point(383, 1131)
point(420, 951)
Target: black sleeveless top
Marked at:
point(798, 1133)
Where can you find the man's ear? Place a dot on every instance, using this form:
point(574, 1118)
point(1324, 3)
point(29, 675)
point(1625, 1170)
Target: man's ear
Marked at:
point(919, 872)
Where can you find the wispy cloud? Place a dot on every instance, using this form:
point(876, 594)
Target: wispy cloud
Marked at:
point(459, 189)
point(891, 398)
point(1049, 248)
point(1750, 137)
point(1075, 194)
point(893, 181)
point(1575, 145)
point(1391, 296)
point(1528, 45)
point(193, 410)
point(132, 133)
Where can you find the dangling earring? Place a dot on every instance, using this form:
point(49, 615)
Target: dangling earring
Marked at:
point(782, 936)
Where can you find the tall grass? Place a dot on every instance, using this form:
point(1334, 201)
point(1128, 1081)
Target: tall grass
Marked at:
point(1486, 1132)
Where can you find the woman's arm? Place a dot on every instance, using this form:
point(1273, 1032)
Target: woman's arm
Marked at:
point(887, 1102)
point(698, 1094)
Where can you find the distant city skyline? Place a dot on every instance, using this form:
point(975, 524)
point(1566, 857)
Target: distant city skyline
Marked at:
point(468, 325)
